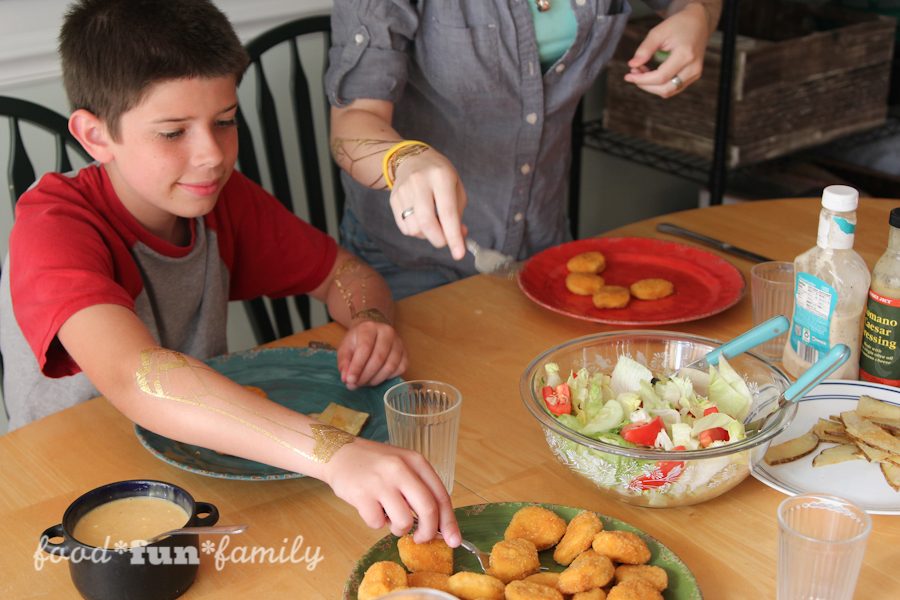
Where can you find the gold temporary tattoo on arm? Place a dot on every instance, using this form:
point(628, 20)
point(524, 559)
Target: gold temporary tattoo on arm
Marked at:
point(157, 364)
point(349, 151)
point(343, 276)
point(402, 154)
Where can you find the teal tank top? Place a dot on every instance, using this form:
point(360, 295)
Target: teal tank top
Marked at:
point(554, 29)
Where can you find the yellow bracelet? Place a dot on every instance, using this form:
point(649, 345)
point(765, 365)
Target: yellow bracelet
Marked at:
point(389, 155)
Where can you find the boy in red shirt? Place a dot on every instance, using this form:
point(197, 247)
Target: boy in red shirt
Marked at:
point(118, 276)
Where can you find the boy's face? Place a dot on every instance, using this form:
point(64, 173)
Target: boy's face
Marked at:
point(176, 150)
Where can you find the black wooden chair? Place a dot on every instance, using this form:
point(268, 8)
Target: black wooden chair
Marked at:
point(20, 171)
point(20, 168)
point(274, 127)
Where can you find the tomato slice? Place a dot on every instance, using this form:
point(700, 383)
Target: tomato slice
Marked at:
point(558, 400)
point(643, 433)
point(666, 471)
point(714, 434)
point(710, 410)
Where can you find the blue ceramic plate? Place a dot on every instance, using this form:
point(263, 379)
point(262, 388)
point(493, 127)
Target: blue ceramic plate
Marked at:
point(303, 379)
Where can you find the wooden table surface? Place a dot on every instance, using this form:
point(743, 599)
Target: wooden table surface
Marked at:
point(478, 334)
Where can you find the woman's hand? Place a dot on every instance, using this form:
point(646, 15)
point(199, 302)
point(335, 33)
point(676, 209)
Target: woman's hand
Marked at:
point(684, 36)
point(370, 353)
point(393, 486)
point(428, 200)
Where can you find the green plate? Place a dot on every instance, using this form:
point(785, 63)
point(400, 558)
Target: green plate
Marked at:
point(484, 524)
point(305, 380)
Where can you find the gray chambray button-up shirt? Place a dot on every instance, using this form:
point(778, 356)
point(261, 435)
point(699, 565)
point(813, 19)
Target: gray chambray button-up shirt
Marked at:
point(465, 77)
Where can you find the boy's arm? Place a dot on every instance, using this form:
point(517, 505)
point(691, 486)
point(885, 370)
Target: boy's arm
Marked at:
point(359, 299)
point(181, 398)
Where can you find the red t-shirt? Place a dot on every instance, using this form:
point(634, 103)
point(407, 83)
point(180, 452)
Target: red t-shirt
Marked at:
point(74, 245)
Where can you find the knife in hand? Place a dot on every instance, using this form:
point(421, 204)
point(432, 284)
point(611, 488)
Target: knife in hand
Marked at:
point(717, 244)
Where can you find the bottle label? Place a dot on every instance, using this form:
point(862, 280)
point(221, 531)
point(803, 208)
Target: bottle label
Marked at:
point(814, 304)
point(879, 359)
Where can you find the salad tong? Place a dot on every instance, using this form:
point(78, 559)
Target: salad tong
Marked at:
point(825, 366)
point(751, 338)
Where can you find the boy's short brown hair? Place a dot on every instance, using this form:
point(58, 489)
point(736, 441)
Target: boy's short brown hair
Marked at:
point(113, 50)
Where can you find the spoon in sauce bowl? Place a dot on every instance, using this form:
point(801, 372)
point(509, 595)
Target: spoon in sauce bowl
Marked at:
point(221, 529)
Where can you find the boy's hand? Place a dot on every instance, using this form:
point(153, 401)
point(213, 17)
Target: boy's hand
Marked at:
point(428, 191)
point(370, 353)
point(393, 486)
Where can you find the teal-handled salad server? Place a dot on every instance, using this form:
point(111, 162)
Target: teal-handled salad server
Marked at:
point(825, 366)
point(751, 338)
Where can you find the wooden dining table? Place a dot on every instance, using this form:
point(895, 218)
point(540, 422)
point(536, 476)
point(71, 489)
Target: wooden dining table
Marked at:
point(477, 334)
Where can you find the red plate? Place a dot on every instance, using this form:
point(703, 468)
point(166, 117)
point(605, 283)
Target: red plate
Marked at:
point(704, 283)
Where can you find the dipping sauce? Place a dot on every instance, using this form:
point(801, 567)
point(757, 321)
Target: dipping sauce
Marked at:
point(128, 520)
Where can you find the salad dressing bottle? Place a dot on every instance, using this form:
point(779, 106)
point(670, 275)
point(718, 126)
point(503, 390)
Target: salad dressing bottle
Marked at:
point(879, 359)
point(830, 287)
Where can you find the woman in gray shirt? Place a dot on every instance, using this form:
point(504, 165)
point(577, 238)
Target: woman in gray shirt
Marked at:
point(443, 106)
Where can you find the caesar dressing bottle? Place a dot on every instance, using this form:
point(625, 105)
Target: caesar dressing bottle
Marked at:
point(879, 358)
point(831, 282)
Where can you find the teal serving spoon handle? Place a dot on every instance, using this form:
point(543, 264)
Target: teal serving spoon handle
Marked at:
point(822, 368)
point(751, 338)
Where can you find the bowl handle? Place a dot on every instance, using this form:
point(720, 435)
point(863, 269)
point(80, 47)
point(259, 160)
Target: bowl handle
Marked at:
point(205, 507)
point(60, 549)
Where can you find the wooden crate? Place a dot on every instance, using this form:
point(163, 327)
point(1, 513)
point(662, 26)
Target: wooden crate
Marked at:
point(802, 76)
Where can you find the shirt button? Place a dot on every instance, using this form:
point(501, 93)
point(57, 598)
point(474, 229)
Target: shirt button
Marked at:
point(531, 118)
point(518, 217)
point(526, 169)
point(580, 2)
point(359, 38)
point(560, 68)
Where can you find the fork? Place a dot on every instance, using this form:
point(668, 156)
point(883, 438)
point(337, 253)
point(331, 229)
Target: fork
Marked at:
point(492, 262)
point(483, 558)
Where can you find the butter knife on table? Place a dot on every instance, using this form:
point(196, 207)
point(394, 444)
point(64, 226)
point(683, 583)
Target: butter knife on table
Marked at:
point(717, 244)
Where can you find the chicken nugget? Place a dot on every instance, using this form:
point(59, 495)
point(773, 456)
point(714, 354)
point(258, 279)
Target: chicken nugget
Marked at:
point(541, 526)
point(654, 575)
point(621, 547)
point(475, 586)
point(588, 571)
point(548, 578)
point(594, 594)
point(652, 289)
point(584, 284)
point(429, 579)
point(526, 590)
point(612, 296)
point(587, 262)
point(579, 534)
point(514, 559)
point(381, 578)
point(634, 589)
point(435, 556)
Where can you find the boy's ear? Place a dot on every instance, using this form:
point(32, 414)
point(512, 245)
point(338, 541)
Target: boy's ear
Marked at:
point(92, 134)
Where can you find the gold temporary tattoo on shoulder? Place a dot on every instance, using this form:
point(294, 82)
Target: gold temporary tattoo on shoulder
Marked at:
point(158, 365)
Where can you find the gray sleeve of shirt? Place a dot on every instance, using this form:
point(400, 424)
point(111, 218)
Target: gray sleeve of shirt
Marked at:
point(370, 46)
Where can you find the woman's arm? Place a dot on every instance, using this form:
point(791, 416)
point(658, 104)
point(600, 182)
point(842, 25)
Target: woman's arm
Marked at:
point(427, 198)
point(684, 34)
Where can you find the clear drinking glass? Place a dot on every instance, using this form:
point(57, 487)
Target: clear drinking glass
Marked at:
point(772, 292)
point(821, 543)
point(424, 416)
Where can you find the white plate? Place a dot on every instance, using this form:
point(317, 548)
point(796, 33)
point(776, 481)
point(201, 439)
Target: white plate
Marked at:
point(859, 481)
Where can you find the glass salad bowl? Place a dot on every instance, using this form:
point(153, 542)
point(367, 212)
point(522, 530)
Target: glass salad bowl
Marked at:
point(643, 475)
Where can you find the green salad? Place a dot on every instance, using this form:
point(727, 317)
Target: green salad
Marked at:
point(630, 407)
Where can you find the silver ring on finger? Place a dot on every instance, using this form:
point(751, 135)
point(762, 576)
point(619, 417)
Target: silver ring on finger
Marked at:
point(407, 212)
point(677, 82)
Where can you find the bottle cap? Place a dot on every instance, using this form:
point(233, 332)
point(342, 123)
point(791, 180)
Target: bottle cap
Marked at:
point(840, 198)
point(894, 219)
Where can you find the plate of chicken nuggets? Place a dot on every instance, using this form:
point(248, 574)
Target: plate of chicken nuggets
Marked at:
point(631, 281)
point(537, 552)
